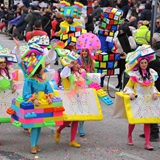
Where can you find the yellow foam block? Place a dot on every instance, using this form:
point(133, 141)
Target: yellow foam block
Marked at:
point(139, 115)
point(103, 64)
point(101, 93)
point(86, 114)
point(64, 37)
point(111, 34)
point(17, 104)
point(60, 118)
point(43, 105)
point(64, 61)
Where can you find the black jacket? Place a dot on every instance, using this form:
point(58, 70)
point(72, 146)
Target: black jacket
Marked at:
point(89, 25)
point(46, 23)
point(146, 13)
point(156, 66)
point(21, 25)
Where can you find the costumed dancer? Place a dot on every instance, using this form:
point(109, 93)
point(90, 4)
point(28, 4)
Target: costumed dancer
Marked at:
point(72, 78)
point(6, 81)
point(37, 83)
point(50, 55)
point(87, 60)
point(69, 13)
point(88, 65)
point(141, 82)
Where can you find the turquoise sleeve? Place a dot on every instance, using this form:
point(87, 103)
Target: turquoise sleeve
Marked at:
point(27, 91)
point(48, 88)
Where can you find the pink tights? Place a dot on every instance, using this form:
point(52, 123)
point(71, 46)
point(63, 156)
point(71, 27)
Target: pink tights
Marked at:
point(146, 131)
point(74, 127)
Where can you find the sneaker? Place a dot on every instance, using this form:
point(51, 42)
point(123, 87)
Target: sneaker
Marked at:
point(57, 136)
point(33, 150)
point(82, 134)
point(37, 148)
point(148, 147)
point(130, 142)
point(74, 144)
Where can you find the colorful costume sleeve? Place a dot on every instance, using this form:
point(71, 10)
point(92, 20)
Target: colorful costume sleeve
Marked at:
point(65, 72)
point(129, 88)
point(48, 89)
point(27, 91)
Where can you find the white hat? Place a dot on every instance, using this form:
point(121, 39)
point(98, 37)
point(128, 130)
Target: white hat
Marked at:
point(156, 36)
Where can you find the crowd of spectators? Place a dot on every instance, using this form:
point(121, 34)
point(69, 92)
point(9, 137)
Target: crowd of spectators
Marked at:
point(19, 19)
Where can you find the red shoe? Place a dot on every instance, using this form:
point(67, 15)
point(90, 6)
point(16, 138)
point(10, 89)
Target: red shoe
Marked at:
point(148, 147)
point(130, 142)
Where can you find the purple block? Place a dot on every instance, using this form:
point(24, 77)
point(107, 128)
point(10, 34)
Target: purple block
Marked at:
point(56, 99)
point(60, 88)
point(14, 101)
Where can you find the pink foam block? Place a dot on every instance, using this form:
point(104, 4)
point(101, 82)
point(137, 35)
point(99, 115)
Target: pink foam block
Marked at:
point(95, 86)
point(59, 123)
point(31, 121)
point(31, 110)
point(56, 114)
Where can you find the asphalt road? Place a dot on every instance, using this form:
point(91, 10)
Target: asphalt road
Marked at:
point(104, 140)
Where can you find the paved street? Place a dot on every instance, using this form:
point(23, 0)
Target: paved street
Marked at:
point(104, 140)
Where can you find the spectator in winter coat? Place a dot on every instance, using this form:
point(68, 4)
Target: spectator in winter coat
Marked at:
point(97, 11)
point(36, 32)
point(89, 7)
point(1, 12)
point(146, 13)
point(26, 3)
point(21, 25)
point(31, 17)
point(125, 7)
point(46, 22)
point(56, 25)
point(104, 3)
point(89, 26)
point(157, 30)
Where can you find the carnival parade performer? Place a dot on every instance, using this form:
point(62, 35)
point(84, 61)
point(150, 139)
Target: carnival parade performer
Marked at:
point(86, 43)
point(72, 77)
point(6, 81)
point(88, 65)
point(37, 83)
point(141, 82)
point(69, 13)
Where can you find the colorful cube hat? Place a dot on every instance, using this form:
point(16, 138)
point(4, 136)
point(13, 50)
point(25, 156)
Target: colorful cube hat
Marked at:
point(33, 55)
point(71, 11)
point(6, 56)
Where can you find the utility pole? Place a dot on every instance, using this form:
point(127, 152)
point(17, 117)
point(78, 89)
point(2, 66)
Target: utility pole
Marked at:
point(153, 18)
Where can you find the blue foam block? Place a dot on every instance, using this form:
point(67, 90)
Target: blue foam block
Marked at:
point(107, 100)
point(44, 115)
point(27, 105)
point(15, 108)
point(14, 117)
